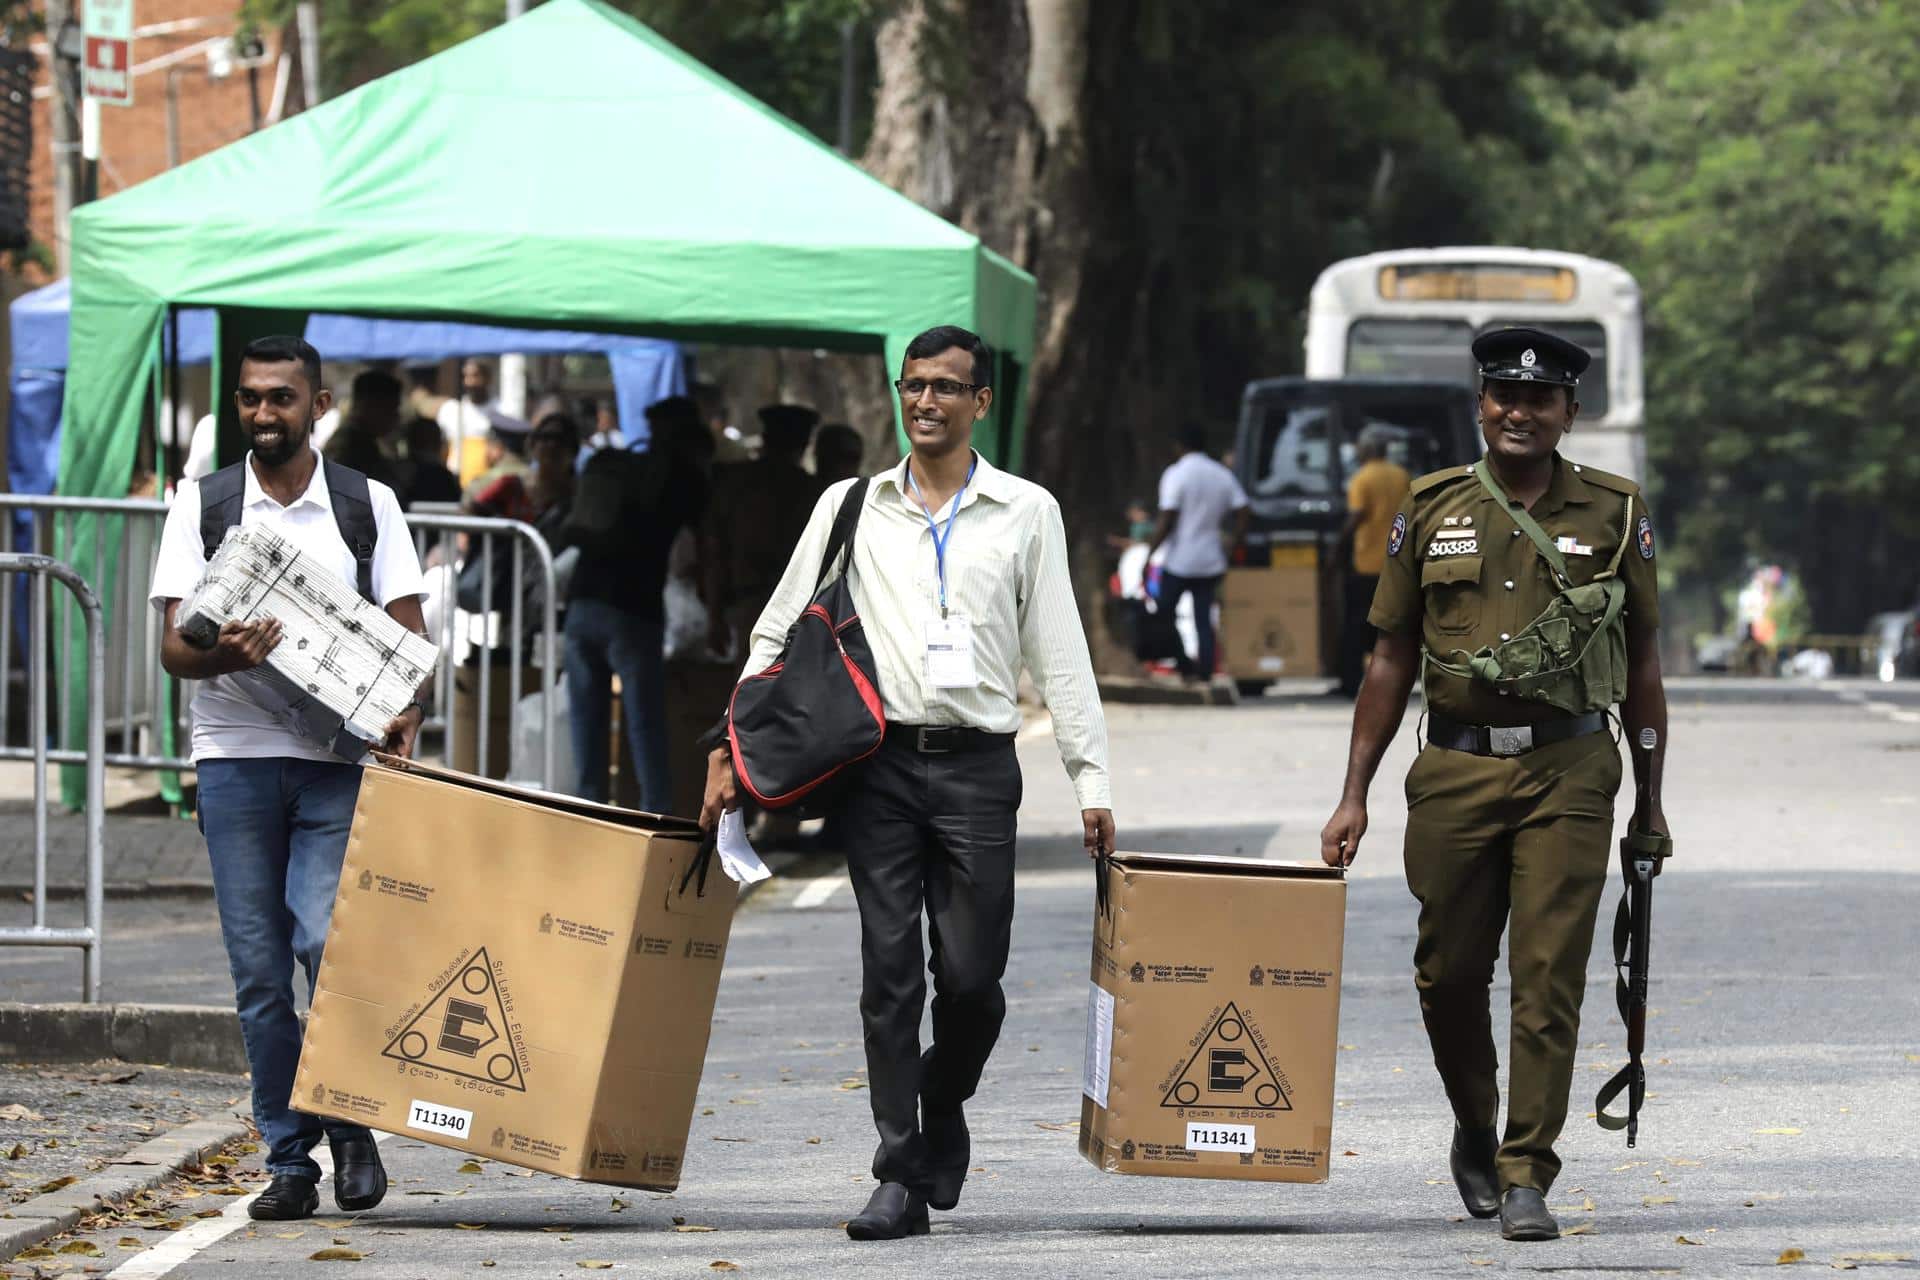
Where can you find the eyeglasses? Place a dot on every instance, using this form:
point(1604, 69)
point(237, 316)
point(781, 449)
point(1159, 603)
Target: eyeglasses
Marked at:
point(943, 388)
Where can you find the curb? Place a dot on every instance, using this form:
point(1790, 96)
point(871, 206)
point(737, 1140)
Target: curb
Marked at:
point(191, 1036)
point(1136, 689)
point(146, 1166)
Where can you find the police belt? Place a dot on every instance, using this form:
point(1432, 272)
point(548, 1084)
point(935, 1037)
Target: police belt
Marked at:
point(1509, 740)
point(941, 739)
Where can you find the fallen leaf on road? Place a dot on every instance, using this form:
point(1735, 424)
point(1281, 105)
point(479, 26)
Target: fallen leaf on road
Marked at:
point(341, 1240)
point(1782, 1132)
point(813, 1142)
point(1631, 1164)
point(723, 1265)
point(336, 1255)
point(1579, 1229)
point(471, 1226)
point(288, 1235)
point(1057, 1126)
point(220, 1162)
point(513, 1172)
point(558, 1228)
point(35, 1253)
point(689, 1228)
point(1349, 1153)
point(1587, 1206)
point(1650, 1201)
point(208, 1213)
point(619, 1204)
point(593, 1264)
point(850, 1085)
point(678, 1220)
point(17, 1151)
point(58, 1183)
point(471, 1166)
point(18, 1111)
point(706, 1111)
point(487, 1262)
point(1481, 1262)
point(1685, 1240)
point(130, 1242)
point(83, 1249)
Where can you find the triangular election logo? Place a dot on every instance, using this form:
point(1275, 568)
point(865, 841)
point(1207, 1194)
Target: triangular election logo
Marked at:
point(1228, 1070)
point(463, 1030)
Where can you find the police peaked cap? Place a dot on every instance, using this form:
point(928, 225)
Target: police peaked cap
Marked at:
point(1530, 355)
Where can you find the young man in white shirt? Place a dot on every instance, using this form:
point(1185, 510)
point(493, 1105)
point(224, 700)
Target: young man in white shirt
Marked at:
point(960, 573)
point(1197, 496)
point(274, 807)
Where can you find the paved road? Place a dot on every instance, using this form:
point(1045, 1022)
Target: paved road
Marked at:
point(1786, 1062)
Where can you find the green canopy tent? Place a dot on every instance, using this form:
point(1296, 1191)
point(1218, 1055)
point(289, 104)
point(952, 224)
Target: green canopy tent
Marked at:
point(568, 169)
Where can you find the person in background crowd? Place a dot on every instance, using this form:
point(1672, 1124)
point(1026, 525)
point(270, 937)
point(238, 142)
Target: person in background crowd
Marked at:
point(1197, 496)
point(1374, 495)
point(758, 511)
point(729, 445)
point(837, 451)
point(505, 456)
point(276, 808)
point(616, 613)
point(476, 415)
point(428, 479)
point(365, 438)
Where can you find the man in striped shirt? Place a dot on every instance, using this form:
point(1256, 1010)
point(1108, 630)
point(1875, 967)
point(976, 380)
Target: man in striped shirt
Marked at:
point(960, 573)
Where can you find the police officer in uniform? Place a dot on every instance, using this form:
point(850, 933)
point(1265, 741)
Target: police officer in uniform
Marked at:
point(1521, 590)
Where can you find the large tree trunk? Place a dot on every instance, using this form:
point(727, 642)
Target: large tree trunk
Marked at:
point(981, 115)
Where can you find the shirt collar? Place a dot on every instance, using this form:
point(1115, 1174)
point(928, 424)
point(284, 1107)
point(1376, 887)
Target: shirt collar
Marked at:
point(988, 481)
point(1565, 489)
point(316, 492)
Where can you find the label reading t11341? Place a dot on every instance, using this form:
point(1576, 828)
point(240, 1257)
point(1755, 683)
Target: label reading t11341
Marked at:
point(1219, 1137)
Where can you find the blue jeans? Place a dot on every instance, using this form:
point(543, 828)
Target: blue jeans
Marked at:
point(602, 642)
point(277, 833)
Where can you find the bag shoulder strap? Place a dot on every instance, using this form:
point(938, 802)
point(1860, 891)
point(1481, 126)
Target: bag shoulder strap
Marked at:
point(353, 512)
point(222, 494)
point(1626, 536)
point(844, 524)
point(1527, 523)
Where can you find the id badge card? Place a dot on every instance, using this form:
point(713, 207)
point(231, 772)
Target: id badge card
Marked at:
point(950, 653)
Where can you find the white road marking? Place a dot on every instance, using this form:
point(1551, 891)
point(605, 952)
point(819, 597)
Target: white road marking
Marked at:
point(203, 1234)
point(816, 891)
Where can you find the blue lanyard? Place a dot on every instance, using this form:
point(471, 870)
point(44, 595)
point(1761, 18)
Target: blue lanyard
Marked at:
point(941, 537)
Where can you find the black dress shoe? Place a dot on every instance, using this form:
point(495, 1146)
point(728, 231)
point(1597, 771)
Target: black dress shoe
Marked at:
point(288, 1198)
point(1473, 1170)
point(359, 1180)
point(949, 1148)
point(1524, 1216)
point(894, 1213)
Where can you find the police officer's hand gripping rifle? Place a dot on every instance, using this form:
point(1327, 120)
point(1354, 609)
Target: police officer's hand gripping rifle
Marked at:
point(1641, 855)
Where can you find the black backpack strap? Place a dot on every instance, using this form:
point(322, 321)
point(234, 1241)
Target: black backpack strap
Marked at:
point(844, 524)
point(353, 513)
point(222, 495)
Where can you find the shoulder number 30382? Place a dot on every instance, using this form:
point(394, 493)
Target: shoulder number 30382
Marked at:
point(1220, 1137)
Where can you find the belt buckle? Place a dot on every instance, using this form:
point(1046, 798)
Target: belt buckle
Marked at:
point(1513, 740)
point(922, 744)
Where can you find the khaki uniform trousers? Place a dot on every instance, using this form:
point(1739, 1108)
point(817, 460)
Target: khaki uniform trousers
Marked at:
point(1523, 843)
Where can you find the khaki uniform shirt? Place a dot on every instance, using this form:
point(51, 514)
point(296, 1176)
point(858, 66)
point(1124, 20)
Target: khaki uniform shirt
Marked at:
point(1462, 573)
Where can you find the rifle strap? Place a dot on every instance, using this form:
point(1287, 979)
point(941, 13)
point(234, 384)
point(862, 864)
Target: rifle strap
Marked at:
point(1632, 1078)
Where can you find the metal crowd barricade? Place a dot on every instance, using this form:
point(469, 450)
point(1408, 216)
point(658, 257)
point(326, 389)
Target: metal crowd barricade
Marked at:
point(482, 630)
point(135, 707)
point(37, 569)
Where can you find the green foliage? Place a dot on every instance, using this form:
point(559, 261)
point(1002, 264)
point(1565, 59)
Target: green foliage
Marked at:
point(1762, 180)
point(787, 52)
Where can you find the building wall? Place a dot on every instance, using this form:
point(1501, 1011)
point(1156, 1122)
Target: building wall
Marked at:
point(133, 140)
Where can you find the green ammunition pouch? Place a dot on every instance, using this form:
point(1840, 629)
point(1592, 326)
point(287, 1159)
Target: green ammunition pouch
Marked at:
point(1573, 657)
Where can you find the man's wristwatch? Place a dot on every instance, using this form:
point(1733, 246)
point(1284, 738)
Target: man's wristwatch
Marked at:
point(412, 705)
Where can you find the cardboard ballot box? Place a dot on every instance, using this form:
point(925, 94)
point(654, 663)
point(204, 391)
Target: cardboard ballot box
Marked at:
point(344, 667)
point(1212, 1018)
point(519, 975)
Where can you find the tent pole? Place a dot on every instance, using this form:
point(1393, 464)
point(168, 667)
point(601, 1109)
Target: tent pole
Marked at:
point(172, 469)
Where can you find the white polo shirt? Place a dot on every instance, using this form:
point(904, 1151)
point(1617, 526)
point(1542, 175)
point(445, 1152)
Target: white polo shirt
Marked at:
point(1205, 493)
point(227, 724)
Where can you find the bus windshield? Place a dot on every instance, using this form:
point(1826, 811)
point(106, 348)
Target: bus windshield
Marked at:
point(1440, 349)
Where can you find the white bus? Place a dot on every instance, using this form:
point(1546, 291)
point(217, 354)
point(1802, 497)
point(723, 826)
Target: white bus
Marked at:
point(1411, 313)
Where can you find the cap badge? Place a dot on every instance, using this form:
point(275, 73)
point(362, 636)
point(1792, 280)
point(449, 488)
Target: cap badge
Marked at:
point(1528, 359)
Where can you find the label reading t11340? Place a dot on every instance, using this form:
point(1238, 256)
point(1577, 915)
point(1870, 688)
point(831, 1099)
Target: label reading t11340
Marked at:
point(433, 1118)
point(1219, 1137)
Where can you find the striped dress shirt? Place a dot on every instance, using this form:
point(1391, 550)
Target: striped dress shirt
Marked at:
point(1006, 572)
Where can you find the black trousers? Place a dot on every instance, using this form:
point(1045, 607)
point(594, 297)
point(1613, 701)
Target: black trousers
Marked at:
point(1172, 587)
point(1356, 633)
point(930, 832)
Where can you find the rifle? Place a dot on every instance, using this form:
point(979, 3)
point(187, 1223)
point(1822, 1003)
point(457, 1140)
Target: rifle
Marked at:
point(1641, 853)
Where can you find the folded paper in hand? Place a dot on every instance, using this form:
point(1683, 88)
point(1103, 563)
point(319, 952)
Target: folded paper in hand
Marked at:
point(737, 857)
